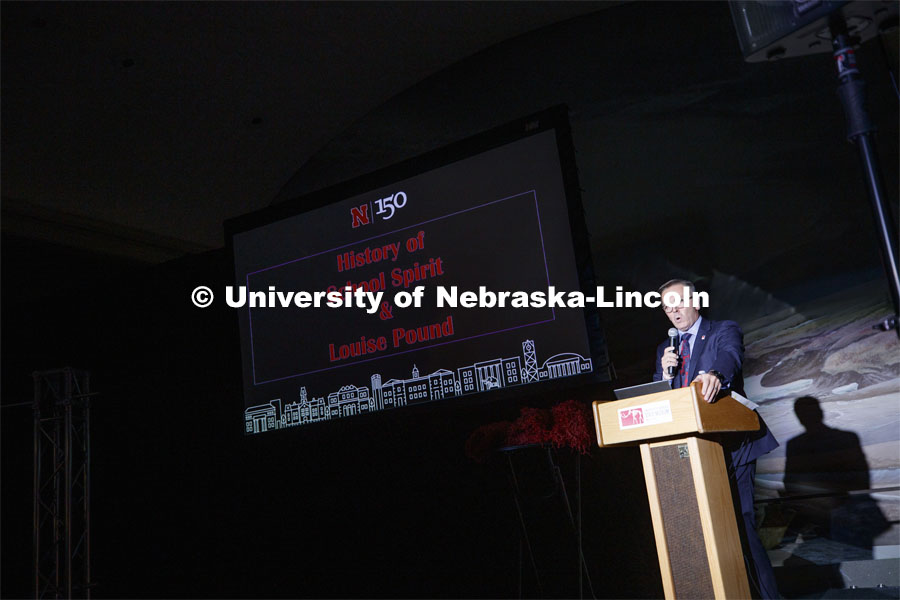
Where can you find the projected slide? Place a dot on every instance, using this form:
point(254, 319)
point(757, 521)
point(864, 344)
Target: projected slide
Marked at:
point(325, 335)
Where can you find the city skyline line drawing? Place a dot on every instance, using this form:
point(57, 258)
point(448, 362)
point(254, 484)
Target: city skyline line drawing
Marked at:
point(350, 400)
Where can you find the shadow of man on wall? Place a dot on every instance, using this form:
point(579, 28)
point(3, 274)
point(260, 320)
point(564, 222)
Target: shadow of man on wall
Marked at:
point(826, 478)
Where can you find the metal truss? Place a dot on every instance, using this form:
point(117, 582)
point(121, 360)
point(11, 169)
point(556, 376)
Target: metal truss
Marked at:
point(62, 484)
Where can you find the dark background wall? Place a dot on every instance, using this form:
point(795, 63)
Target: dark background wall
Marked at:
point(674, 132)
point(184, 505)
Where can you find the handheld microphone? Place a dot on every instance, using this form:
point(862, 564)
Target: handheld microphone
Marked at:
point(673, 340)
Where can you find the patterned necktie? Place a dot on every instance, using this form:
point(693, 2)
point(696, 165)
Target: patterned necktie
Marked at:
point(685, 359)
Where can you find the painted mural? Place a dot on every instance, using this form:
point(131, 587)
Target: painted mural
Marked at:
point(829, 388)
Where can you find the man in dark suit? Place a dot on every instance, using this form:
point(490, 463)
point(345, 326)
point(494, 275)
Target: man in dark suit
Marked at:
point(712, 353)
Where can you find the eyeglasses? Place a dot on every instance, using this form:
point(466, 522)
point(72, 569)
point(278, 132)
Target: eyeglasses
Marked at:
point(670, 309)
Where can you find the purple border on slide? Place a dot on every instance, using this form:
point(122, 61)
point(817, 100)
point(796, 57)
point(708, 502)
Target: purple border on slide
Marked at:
point(459, 212)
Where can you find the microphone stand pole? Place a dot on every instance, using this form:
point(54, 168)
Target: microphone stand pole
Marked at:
point(860, 131)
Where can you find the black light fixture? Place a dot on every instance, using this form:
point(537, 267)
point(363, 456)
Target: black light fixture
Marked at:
point(774, 29)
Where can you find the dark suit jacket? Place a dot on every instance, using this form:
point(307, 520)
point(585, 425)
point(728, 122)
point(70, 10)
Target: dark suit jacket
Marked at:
point(719, 346)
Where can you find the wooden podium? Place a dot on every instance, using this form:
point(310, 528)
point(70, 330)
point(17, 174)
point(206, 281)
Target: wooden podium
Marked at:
point(694, 522)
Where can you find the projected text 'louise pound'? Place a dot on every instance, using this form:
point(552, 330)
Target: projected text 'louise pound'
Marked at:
point(498, 243)
point(399, 337)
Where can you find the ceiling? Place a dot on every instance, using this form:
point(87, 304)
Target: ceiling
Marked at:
point(134, 130)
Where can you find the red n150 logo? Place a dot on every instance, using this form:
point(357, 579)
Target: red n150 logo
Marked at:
point(359, 215)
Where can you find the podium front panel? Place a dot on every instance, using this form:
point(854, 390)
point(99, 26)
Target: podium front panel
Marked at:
point(694, 523)
point(683, 530)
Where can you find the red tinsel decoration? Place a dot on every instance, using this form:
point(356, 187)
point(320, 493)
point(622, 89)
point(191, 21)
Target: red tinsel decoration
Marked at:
point(572, 422)
point(532, 427)
point(568, 424)
point(486, 439)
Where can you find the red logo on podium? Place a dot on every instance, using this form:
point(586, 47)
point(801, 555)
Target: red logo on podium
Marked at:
point(631, 417)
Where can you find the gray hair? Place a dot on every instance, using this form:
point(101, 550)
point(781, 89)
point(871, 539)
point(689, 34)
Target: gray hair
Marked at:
point(678, 282)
